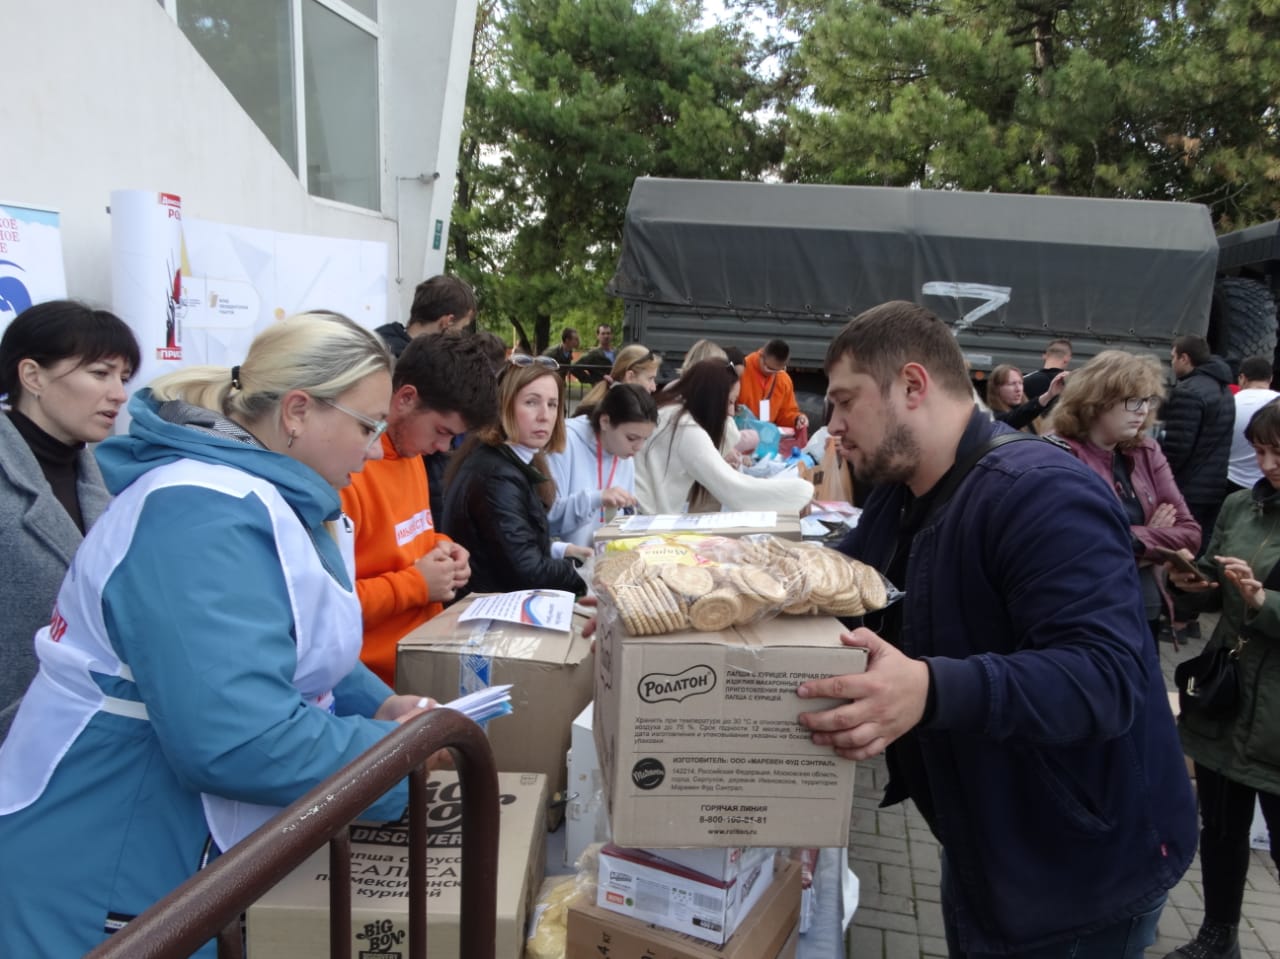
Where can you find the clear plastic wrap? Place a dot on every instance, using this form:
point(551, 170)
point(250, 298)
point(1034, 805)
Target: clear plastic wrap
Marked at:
point(665, 584)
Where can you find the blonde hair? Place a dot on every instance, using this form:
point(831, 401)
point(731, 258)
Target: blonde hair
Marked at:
point(703, 350)
point(1109, 378)
point(512, 380)
point(999, 376)
point(630, 358)
point(323, 353)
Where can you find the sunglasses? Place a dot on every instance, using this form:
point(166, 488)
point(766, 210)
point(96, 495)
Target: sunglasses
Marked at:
point(375, 427)
point(524, 359)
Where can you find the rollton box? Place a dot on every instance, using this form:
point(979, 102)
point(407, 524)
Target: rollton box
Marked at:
point(768, 931)
point(636, 883)
point(550, 672)
point(782, 525)
point(292, 920)
point(698, 739)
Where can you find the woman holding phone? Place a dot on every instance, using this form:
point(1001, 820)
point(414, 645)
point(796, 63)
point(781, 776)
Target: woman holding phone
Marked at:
point(1103, 415)
point(1237, 757)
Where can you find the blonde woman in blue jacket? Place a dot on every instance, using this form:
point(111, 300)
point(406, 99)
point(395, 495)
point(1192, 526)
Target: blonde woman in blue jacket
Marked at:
point(202, 669)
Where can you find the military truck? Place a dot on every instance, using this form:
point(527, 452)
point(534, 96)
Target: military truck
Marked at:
point(740, 263)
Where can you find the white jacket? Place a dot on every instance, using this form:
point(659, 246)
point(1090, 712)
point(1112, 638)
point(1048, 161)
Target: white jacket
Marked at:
point(580, 478)
point(680, 453)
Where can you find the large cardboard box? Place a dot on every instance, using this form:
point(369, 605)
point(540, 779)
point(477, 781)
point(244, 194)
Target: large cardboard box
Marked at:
point(785, 526)
point(550, 673)
point(292, 920)
point(767, 932)
point(698, 739)
point(639, 884)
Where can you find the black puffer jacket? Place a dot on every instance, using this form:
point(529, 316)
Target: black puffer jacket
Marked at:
point(491, 507)
point(395, 336)
point(1198, 419)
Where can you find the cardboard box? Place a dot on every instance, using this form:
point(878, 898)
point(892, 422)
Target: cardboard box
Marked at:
point(551, 675)
point(724, 864)
point(586, 820)
point(767, 932)
point(786, 526)
point(698, 739)
point(292, 920)
point(636, 883)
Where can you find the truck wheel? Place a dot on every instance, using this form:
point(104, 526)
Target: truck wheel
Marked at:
point(1245, 314)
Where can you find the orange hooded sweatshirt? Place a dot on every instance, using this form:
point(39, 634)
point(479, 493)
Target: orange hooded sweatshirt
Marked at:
point(756, 384)
point(390, 505)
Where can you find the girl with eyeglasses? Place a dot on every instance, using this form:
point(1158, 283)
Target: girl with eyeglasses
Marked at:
point(499, 488)
point(202, 668)
point(595, 474)
point(634, 364)
point(1103, 415)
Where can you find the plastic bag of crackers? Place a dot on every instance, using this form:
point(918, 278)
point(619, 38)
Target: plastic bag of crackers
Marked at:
point(709, 583)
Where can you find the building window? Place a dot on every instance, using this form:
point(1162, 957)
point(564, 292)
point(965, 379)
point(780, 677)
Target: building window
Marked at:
point(323, 119)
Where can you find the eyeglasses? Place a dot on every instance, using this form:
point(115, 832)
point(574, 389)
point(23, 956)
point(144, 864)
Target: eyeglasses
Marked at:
point(1134, 404)
point(524, 359)
point(376, 427)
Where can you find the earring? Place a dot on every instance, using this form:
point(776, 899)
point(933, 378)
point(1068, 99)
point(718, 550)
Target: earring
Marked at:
point(292, 436)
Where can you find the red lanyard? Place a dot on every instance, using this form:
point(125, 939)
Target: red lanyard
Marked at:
point(600, 470)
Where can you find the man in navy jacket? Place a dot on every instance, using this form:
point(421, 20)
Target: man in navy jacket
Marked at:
point(1014, 688)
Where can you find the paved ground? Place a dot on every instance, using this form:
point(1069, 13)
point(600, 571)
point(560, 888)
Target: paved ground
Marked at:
point(896, 860)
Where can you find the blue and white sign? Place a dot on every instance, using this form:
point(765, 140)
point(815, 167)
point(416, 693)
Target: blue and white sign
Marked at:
point(31, 269)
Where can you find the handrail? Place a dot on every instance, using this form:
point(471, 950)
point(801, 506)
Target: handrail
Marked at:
point(211, 902)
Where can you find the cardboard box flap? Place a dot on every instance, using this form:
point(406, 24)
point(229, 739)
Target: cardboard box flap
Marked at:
point(500, 640)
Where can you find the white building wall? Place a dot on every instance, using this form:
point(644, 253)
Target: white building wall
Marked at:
point(110, 95)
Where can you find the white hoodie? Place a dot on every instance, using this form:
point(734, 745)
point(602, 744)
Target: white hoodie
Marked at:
point(580, 479)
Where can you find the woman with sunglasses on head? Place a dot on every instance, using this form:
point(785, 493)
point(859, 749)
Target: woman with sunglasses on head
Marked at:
point(595, 473)
point(63, 370)
point(1103, 415)
point(681, 467)
point(499, 487)
point(634, 364)
point(203, 664)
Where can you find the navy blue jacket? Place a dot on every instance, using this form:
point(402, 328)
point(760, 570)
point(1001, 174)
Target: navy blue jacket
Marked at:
point(1061, 799)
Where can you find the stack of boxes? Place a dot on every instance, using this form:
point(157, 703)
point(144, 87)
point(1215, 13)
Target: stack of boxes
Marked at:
point(704, 773)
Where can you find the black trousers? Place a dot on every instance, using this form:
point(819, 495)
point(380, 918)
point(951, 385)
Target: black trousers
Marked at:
point(1226, 813)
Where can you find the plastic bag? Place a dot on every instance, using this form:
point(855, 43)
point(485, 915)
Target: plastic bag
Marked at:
point(665, 585)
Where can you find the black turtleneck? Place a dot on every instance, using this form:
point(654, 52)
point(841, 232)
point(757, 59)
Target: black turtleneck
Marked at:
point(57, 460)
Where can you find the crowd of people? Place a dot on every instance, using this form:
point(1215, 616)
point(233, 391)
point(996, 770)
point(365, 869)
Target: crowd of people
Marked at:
point(343, 486)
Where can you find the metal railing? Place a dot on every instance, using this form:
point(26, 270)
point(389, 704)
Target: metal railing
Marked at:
point(210, 903)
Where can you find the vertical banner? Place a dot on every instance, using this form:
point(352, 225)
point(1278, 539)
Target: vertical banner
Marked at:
point(146, 276)
point(31, 269)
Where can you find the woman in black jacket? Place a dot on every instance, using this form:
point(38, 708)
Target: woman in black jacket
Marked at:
point(499, 489)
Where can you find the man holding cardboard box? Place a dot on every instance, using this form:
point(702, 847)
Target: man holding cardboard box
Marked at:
point(405, 570)
point(1014, 688)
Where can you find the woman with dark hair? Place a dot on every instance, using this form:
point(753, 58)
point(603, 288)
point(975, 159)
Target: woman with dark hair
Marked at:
point(498, 488)
point(595, 473)
point(63, 369)
point(1103, 415)
point(1237, 756)
point(681, 467)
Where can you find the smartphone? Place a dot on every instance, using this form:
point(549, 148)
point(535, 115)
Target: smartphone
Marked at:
point(1180, 562)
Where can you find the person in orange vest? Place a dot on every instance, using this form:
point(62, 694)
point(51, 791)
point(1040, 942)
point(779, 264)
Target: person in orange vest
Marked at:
point(767, 390)
point(405, 569)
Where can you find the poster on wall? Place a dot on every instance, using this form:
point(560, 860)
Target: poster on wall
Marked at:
point(197, 291)
point(31, 269)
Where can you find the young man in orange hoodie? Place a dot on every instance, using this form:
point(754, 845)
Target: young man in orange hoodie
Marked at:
point(766, 389)
point(405, 571)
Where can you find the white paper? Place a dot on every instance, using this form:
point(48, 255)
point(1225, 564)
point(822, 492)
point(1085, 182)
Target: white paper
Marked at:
point(765, 410)
point(483, 704)
point(699, 521)
point(543, 608)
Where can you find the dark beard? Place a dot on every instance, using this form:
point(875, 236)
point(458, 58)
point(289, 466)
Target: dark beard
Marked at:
point(893, 461)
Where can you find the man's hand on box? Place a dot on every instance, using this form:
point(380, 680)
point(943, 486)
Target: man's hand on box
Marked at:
point(883, 703)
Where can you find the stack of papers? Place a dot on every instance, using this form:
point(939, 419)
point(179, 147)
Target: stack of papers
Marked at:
point(484, 704)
